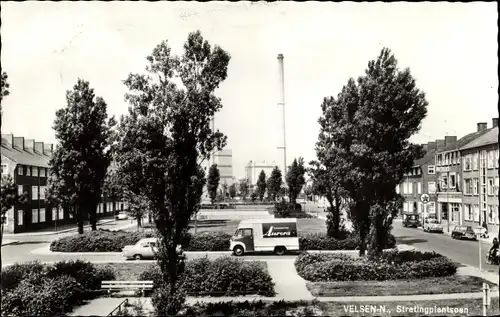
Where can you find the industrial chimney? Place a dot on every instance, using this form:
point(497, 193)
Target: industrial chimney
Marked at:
point(282, 103)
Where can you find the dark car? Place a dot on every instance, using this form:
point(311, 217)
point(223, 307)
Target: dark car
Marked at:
point(411, 220)
point(463, 232)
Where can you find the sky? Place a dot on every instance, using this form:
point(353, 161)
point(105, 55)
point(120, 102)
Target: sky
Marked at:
point(450, 48)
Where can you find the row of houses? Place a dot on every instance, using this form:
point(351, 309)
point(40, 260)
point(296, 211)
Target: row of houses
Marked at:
point(27, 162)
point(461, 178)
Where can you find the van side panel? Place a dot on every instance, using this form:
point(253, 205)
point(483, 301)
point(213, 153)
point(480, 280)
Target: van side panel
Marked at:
point(269, 243)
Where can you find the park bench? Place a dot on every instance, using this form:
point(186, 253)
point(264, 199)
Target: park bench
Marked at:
point(127, 286)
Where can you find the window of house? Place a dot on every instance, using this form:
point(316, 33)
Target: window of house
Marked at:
point(20, 217)
point(491, 186)
point(42, 172)
point(411, 172)
point(410, 188)
point(419, 207)
point(468, 186)
point(431, 169)
point(419, 188)
point(34, 171)
point(70, 215)
point(42, 214)
point(20, 170)
point(34, 192)
point(447, 159)
point(475, 182)
point(54, 214)
point(439, 159)
point(405, 207)
point(468, 212)
point(42, 192)
point(491, 214)
point(431, 187)
point(397, 189)
point(444, 181)
point(453, 158)
point(101, 205)
point(496, 157)
point(34, 216)
point(491, 159)
point(467, 163)
point(453, 180)
point(418, 171)
point(60, 211)
point(475, 161)
point(4, 169)
point(476, 213)
point(28, 170)
point(496, 186)
point(20, 190)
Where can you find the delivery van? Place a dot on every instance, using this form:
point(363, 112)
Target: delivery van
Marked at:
point(265, 235)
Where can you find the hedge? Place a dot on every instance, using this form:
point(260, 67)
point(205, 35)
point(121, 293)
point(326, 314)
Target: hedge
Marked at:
point(391, 265)
point(250, 309)
point(208, 241)
point(224, 276)
point(320, 241)
point(35, 289)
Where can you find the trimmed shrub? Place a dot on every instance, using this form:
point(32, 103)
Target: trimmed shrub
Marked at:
point(283, 209)
point(98, 241)
point(320, 241)
point(83, 272)
point(223, 276)
point(330, 267)
point(14, 274)
point(209, 241)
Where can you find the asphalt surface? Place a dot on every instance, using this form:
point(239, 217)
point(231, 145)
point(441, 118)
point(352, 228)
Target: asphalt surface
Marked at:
point(461, 251)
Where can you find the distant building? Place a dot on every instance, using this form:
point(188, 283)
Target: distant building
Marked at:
point(253, 169)
point(224, 161)
point(27, 162)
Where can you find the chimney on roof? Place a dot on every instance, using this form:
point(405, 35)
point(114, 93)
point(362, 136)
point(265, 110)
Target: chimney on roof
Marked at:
point(481, 126)
point(431, 146)
point(440, 144)
point(450, 140)
point(7, 140)
point(29, 145)
point(19, 142)
point(39, 147)
point(495, 122)
point(48, 148)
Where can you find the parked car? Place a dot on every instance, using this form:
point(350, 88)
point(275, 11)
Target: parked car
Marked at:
point(121, 216)
point(463, 232)
point(411, 220)
point(432, 225)
point(144, 248)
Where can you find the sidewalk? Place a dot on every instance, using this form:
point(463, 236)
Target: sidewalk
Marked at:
point(288, 284)
point(98, 307)
point(474, 271)
point(44, 232)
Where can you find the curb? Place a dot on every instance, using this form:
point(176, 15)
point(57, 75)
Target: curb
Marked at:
point(9, 242)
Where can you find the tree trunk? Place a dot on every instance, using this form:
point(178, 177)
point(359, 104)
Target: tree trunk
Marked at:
point(138, 222)
point(79, 219)
point(91, 210)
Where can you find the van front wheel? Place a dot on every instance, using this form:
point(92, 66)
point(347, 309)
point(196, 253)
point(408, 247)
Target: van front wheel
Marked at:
point(238, 250)
point(280, 250)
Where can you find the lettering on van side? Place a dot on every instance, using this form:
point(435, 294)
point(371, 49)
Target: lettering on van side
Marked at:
point(272, 231)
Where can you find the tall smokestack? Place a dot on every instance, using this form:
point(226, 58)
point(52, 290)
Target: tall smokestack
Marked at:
point(282, 103)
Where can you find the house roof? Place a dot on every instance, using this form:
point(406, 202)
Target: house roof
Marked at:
point(464, 141)
point(428, 156)
point(490, 136)
point(25, 157)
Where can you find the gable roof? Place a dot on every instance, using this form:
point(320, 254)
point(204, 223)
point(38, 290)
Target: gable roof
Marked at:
point(464, 141)
point(25, 157)
point(426, 158)
point(490, 136)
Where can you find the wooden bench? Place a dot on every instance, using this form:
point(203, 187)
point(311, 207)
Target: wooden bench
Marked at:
point(127, 285)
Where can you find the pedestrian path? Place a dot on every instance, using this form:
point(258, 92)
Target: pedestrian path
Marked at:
point(491, 277)
point(288, 283)
point(98, 307)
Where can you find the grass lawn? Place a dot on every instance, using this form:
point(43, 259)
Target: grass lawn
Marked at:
point(435, 285)
point(305, 225)
point(458, 307)
point(130, 271)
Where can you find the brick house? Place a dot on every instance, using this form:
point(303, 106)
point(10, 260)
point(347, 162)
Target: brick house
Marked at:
point(27, 162)
point(480, 179)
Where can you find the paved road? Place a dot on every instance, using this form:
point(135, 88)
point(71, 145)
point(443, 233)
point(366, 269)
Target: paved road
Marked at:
point(461, 251)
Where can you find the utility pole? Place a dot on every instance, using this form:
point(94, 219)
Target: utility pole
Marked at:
point(282, 103)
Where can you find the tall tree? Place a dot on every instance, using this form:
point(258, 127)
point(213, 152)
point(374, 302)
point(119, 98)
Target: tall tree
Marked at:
point(224, 190)
point(232, 190)
point(9, 198)
point(169, 131)
point(80, 162)
point(113, 186)
point(295, 179)
point(369, 124)
point(213, 180)
point(244, 188)
point(261, 185)
point(4, 83)
point(274, 183)
point(138, 206)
